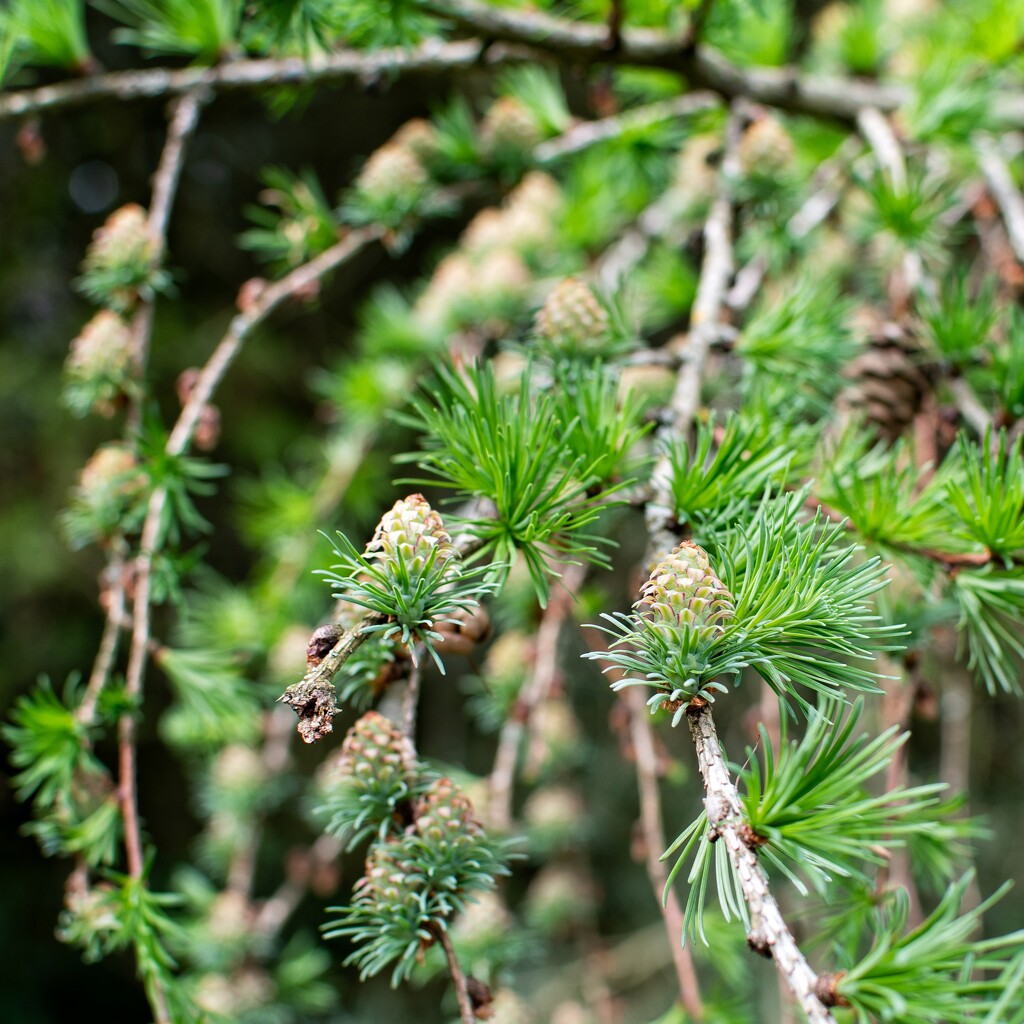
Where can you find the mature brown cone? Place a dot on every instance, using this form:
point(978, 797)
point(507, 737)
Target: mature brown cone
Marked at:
point(889, 381)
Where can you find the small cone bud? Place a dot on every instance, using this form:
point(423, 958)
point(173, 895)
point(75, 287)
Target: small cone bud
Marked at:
point(102, 350)
point(572, 318)
point(683, 590)
point(376, 749)
point(410, 532)
point(391, 171)
point(509, 125)
point(111, 470)
point(444, 815)
point(123, 240)
point(418, 136)
point(392, 882)
point(766, 147)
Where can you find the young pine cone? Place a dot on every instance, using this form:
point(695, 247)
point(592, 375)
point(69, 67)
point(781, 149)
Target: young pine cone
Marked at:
point(683, 590)
point(410, 532)
point(572, 319)
point(376, 750)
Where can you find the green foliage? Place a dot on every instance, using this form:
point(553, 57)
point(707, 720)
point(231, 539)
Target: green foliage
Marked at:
point(512, 451)
point(751, 31)
point(214, 704)
point(1008, 367)
point(46, 32)
point(414, 586)
point(49, 744)
point(298, 225)
point(373, 24)
point(811, 813)
point(802, 616)
point(599, 428)
point(908, 215)
point(960, 327)
point(812, 805)
point(205, 29)
point(795, 347)
point(744, 461)
point(989, 501)
point(891, 503)
point(539, 90)
point(182, 477)
point(991, 602)
point(124, 913)
point(929, 973)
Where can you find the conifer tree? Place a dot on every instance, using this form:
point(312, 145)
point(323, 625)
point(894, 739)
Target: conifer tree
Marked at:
point(686, 467)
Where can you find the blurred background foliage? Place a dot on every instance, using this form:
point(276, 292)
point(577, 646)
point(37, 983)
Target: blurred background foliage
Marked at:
point(316, 366)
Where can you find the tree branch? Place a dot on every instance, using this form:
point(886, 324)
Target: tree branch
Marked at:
point(715, 275)
point(589, 133)
point(537, 688)
point(343, 66)
point(768, 931)
point(466, 1014)
point(1006, 193)
point(703, 67)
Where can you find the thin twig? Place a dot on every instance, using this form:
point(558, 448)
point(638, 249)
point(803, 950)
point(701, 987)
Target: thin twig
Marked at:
point(431, 57)
point(715, 275)
point(878, 133)
point(210, 376)
point(466, 1014)
point(590, 133)
point(768, 930)
point(410, 701)
point(979, 418)
point(537, 688)
point(180, 129)
point(107, 650)
point(1006, 193)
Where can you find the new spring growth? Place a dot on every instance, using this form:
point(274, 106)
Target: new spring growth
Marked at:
point(411, 574)
point(673, 640)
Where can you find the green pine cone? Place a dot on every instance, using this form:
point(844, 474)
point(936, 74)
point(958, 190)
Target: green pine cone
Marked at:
point(392, 883)
point(392, 171)
point(444, 816)
point(124, 240)
point(572, 319)
point(408, 533)
point(683, 590)
point(509, 125)
point(375, 750)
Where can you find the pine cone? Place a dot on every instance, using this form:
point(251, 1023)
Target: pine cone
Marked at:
point(890, 381)
point(509, 125)
point(102, 350)
point(444, 816)
point(683, 590)
point(409, 532)
point(572, 319)
point(392, 882)
point(124, 240)
point(376, 749)
point(112, 470)
point(391, 171)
